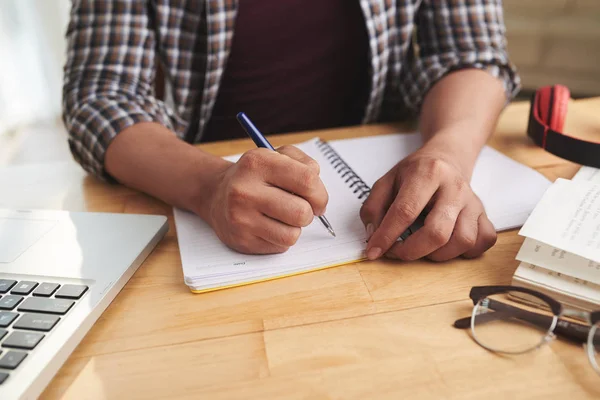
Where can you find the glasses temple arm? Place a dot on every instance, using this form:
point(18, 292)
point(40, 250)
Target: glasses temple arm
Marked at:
point(575, 332)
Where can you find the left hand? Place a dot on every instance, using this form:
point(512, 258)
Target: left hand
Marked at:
point(430, 178)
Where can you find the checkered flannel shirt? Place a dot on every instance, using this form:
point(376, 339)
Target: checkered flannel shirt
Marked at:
point(114, 47)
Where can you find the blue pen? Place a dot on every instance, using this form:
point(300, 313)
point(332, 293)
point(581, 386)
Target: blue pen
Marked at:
point(262, 141)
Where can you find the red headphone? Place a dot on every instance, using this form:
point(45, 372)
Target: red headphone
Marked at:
point(546, 120)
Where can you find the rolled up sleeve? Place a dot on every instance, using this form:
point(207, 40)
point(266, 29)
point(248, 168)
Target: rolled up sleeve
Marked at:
point(452, 35)
point(108, 77)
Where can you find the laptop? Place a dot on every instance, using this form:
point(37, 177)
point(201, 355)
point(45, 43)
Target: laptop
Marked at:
point(58, 272)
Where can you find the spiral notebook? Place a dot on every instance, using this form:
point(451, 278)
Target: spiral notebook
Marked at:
point(349, 168)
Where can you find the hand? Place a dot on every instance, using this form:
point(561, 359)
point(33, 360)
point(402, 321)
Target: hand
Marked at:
point(456, 223)
point(260, 204)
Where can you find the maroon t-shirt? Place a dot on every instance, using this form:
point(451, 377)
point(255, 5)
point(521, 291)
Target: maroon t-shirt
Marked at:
point(294, 65)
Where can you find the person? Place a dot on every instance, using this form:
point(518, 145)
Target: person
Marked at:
point(291, 65)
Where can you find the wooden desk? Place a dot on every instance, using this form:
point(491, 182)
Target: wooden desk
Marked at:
point(361, 331)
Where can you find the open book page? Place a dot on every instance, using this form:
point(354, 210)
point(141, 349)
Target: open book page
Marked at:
point(205, 258)
point(559, 261)
point(568, 218)
point(509, 190)
point(587, 174)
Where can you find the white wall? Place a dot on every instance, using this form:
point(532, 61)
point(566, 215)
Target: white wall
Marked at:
point(32, 55)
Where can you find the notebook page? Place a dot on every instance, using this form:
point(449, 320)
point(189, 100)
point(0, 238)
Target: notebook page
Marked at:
point(509, 190)
point(204, 256)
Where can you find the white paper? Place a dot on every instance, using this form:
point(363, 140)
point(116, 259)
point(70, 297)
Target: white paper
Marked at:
point(587, 174)
point(568, 217)
point(558, 260)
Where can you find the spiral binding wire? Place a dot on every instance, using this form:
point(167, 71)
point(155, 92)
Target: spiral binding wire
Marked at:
point(360, 188)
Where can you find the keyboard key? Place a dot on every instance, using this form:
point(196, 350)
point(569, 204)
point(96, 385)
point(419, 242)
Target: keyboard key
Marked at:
point(9, 302)
point(6, 284)
point(71, 291)
point(49, 306)
point(23, 340)
point(3, 376)
point(6, 318)
point(46, 289)
point(37, 322)
point(2, 333)
point(12, 359)
point(24, 287)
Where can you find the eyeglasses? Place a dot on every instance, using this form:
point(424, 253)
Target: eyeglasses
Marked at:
point(516, 320)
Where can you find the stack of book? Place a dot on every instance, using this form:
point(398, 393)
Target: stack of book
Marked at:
point(560, 255)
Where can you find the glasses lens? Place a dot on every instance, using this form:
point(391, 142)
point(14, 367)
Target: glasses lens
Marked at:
point(593, 347)
point(512, 322)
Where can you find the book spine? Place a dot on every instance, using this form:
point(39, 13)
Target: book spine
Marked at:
point(351, 178)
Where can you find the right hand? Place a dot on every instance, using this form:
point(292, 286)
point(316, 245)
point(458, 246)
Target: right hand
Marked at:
point(260, 204)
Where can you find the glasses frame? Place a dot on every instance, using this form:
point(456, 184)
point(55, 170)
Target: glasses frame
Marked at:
point(479, 293)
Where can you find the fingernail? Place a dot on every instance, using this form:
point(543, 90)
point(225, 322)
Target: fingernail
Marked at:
point(373, 253)
point(370, 230)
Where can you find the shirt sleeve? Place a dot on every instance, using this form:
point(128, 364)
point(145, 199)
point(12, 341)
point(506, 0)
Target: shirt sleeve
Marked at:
point(108, 77)
point(455, 34)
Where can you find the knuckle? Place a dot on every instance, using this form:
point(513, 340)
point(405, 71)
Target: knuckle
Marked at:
point(308, 179)
point(460, 185)
point(302, 215)
point(439, 235)
point(238, 195)
point(235, 218)
point(406, 212)
point(434, 168)
point(251, 159)
point(467, 240)
point(290, 236)
point(314, 166)
point(243, 244)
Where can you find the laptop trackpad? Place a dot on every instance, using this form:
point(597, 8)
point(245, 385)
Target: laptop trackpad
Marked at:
point(18, 235)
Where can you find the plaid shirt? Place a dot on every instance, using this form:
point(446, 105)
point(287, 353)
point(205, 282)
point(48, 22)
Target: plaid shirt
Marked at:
point(114, 47)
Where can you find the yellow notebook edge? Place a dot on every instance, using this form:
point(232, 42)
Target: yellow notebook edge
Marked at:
point(272, 278)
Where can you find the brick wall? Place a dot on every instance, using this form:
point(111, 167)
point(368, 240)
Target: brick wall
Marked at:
point(555, 41)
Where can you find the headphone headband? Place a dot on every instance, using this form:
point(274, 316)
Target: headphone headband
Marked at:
point(555, 142)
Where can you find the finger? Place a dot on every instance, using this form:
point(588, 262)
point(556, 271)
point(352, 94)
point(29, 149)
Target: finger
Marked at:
point(377, 203)
point(463, 238)
point(288, 174)
point(413, 195)
point(486, 237)
point(275, 232)
point(284, 207)
point(248, 244)
point(436, 231)
point(298, 155)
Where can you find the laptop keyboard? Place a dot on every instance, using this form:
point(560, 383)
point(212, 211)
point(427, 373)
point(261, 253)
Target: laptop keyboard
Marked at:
point(28, 311)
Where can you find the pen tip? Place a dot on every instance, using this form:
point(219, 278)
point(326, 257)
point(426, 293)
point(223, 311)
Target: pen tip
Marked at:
point(331, 231)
